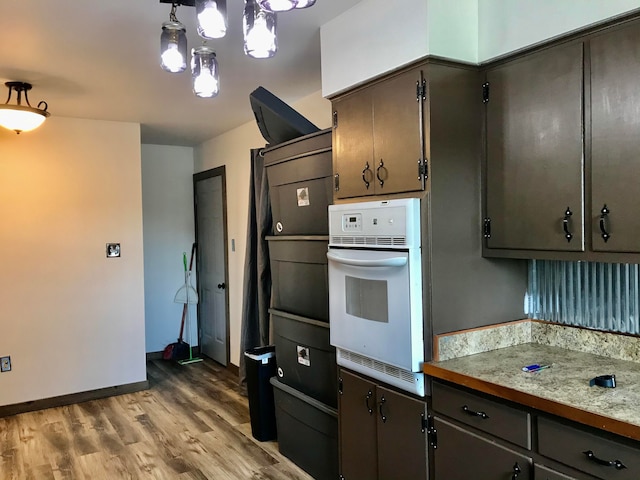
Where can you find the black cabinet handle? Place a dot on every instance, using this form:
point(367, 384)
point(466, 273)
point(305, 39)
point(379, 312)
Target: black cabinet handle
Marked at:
point(382, 415)
point(366, 401)
point(222, 286)
point(617, 464)
point(468, 411)
point(516, 471)
point(380, 167)
point(603, 223)
point(565, 224)
point(364, 178)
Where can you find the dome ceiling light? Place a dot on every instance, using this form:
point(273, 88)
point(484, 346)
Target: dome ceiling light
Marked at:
point(18, 117)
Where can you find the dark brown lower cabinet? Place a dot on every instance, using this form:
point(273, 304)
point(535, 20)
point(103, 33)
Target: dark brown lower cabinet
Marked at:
point(382, 432)
point(461, 455)
point(479, 436)
point(545, 473)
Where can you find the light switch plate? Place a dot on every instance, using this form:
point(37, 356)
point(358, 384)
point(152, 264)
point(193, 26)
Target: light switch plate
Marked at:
point(113, 250)
point(5, 364)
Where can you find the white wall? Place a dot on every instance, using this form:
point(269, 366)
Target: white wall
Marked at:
point(376, 36)
point(167, 204)
point(232, 150)
point(72, 319)
point(452, 27)
point(508, 25)
point(372, 37)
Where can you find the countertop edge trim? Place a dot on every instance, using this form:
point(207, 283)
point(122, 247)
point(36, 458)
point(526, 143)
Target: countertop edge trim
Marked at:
point(548, 406)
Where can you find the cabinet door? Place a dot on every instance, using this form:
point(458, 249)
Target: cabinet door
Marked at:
point(397, 126)
point(461, 455)
point(402, 441)
point(353, 145)
point(615, 140)
point(357, 420)
point(534, 164)
point(545, 473)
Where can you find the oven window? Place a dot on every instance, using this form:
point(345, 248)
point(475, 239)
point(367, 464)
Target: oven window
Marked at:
point(367, 299)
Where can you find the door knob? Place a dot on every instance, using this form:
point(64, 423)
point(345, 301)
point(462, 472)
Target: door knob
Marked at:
point(222, 286)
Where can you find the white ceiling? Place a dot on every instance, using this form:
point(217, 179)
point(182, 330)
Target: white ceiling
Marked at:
point(99, 59)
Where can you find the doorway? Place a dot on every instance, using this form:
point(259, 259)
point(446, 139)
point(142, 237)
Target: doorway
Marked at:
point(210, 199)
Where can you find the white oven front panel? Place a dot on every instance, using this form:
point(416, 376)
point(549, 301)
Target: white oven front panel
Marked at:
point(375, 305)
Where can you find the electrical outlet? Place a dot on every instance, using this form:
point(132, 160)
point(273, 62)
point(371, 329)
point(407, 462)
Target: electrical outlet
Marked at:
point(5, 364)
point(113, 250)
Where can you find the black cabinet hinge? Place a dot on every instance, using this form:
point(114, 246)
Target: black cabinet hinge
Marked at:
point(485, 92)
point(421, 90)
point(340, 386)
point(335, 119)
point(336, 182)
point(486, 228)
point(423, 169)
point(432, 433)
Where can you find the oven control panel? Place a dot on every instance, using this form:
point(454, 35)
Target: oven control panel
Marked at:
point(352, 222)
point(377, 223)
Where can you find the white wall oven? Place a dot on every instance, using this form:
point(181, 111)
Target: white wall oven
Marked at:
point(375, 290)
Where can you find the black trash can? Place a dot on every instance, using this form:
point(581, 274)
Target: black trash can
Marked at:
point(260, 363)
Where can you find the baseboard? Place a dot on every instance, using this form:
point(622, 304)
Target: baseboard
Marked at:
point(234, 369)
point(158, 355)
point(154, 356)
point(72, 398)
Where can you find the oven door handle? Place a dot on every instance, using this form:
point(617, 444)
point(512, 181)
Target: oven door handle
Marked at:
point(383, 262)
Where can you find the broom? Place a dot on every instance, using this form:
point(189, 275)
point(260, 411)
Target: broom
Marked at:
point(187, 295)
point(181, 350)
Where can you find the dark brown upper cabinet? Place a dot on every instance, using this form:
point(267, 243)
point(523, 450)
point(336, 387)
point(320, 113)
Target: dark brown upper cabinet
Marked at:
point(615, 140)
point(534, 152)
point(378, 139)
point(562, 149)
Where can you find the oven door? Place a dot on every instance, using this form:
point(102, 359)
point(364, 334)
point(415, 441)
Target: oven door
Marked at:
point(375, 305)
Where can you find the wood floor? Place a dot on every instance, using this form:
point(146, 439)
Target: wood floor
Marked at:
point(193, 423)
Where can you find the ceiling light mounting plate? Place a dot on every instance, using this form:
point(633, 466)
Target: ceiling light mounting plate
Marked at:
point(186, 3)
point(19, 86)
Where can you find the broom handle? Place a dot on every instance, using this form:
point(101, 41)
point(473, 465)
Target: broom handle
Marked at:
point(193, 252)
point(186, 305)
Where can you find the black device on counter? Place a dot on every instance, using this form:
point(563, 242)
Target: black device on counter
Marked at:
point(606, 381)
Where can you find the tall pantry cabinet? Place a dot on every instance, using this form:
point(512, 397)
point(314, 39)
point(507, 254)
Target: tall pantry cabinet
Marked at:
point(422, 123)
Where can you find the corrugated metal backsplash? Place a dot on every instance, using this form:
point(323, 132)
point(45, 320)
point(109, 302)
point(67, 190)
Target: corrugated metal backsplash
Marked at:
point(603, 296)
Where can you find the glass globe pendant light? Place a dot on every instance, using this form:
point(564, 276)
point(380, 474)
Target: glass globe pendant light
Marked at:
point(212, 18)
point(305, 3)
point(259, 27)
point(278, 5)
point(204, 72)
point(173, 44)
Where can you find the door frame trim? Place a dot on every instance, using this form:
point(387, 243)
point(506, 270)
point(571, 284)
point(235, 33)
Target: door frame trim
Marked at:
point(215, 172)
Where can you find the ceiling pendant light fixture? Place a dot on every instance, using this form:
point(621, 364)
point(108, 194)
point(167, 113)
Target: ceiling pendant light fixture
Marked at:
point(18, 117)
point(259, 27)
point(212, 18)
point(278, 5)
point(305, 3)
point(204, 72)
point(173, 44)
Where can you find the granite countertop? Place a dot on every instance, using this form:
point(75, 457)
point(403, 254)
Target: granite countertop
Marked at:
point(561, 390)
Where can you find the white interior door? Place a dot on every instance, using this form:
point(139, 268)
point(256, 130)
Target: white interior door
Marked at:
point(212, 267)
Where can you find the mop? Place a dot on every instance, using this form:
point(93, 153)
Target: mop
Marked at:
point(187, 295)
